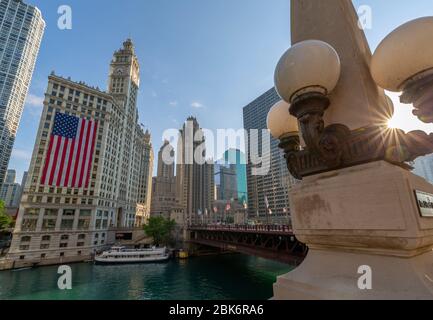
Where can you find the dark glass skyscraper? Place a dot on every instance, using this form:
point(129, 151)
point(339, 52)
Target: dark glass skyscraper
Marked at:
point(275, 185)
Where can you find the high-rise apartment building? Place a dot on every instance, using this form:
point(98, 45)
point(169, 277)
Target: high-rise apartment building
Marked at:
point(194, 176)
point(271, 189)
point(164, 184)
point(21, 31)
point(88, 168)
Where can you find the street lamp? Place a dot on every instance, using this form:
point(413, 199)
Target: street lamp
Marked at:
point(306, 76)
point(403, 62)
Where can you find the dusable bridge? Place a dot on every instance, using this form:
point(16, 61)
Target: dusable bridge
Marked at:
point(267, 241)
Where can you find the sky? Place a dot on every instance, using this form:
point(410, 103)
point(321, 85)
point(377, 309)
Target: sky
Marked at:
point(205, 58)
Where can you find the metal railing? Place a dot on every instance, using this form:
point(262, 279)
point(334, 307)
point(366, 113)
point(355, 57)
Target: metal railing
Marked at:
point(255, 228)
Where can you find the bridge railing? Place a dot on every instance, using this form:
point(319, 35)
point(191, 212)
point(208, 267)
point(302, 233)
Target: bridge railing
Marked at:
point(255, 228)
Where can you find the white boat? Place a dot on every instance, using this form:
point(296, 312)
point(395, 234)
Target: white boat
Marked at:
point(121, 255)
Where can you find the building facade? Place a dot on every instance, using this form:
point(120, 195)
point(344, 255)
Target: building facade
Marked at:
point(226, 183)
point(21, 31)
point(87, 170)
point(145, 161)
point(164, 184)
point(11, 191)
point(194, 179)
point(267, 193)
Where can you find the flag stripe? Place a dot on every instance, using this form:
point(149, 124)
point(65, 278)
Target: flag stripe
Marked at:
point(44, 173)
point(58, 163)
point(77, 156)
point(63, 180)
point(84, 155)
point(72, 159)
point(54, 160)
point(62, 161)
point(92, 149)
point(68, 178)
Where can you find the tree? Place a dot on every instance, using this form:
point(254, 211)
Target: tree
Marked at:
point(159, 229)
point(6, 221)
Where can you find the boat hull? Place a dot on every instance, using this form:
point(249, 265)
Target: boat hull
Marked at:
point(131, 261)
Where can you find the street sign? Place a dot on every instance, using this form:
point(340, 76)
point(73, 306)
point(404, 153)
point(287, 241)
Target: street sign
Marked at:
point(425, 203)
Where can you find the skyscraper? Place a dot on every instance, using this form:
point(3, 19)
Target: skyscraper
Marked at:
point(236, 158)
point(226, 181)
point(145, 161)
point(21, 31)
point(270, 191)
point(194, 179)
point(90, 168)
point(164, 184)
point(11, 191)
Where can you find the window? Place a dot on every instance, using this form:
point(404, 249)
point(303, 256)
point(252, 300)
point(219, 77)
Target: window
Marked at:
point(22, 257)
point(62, 254)
point(85, 213)
point(29, 224)
point(43, 255)
point(49, 224)
point(69, 212)
point(31, 212)
point(26, 239)
point(64, 237)
point(67, 224)
point(83, 224)
point(46, 238)
point(81, 236)
point(63, 245)
point(24, 247)
point(45, 246)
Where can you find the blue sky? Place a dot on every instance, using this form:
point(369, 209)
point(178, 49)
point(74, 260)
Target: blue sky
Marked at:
point(206, 58)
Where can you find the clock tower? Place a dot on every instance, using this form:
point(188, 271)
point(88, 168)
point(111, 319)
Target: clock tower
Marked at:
point(124, 77)
point(123, 85)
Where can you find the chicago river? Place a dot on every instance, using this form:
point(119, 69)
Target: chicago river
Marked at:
point(224, 277)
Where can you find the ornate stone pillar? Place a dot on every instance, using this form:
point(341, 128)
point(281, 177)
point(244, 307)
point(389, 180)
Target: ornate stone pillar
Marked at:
point(355, 218)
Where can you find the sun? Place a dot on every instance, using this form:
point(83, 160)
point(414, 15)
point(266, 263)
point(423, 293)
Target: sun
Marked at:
point(393, 123)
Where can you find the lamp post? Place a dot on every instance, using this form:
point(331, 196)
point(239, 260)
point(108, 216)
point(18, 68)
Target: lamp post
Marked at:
point(357, 204)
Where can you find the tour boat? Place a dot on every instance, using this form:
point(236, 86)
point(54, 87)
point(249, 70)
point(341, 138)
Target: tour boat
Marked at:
point(121, 255)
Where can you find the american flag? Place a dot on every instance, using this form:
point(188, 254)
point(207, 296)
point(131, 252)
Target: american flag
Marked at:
point(70, 152)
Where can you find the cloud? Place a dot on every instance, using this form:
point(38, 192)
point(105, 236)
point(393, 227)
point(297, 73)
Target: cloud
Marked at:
point(20, 154)
point(35, 101)
point(197, 105)
point(173, 103)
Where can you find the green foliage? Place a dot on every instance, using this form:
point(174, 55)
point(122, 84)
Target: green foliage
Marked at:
point(6, 221)
point(159, 229)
